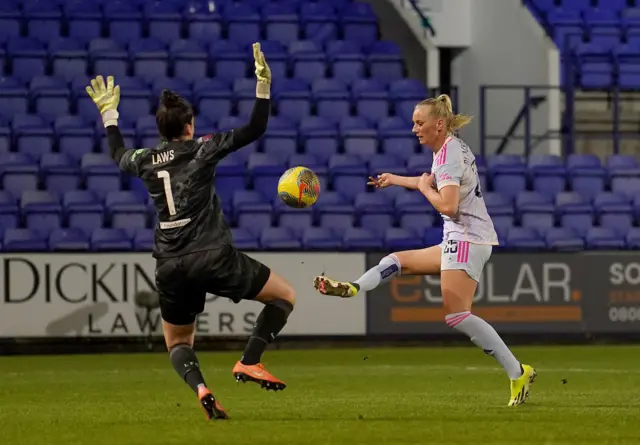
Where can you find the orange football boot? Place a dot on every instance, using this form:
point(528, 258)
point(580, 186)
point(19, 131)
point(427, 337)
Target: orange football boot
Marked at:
point(257, 374)
point(212, 408)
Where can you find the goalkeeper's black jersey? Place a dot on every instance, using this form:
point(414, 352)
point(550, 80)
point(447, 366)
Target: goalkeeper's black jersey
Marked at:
point(179, 176)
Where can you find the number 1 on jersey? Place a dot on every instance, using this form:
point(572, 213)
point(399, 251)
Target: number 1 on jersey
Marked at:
point(166, 178)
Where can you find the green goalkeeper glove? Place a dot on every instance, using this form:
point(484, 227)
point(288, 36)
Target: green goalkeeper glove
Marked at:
point(263, 73)
point(106, 97)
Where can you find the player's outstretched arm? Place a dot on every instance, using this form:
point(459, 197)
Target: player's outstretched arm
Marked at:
point(107, 97)
point(387, 179)
point(257, 124)
point(219, 145)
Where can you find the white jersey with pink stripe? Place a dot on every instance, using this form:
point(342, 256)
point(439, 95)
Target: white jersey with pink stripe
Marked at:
point(455, 164)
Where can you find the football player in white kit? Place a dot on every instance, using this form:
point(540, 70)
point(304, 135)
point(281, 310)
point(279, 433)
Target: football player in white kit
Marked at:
point(453, 188)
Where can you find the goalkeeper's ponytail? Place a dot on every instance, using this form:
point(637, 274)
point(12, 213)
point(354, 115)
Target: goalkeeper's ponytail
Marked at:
point(173, 114)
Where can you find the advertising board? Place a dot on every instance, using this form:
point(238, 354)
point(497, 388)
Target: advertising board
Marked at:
point(56, 295)
point(517, 293)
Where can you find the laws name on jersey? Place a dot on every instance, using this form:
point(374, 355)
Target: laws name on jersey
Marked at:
point(162, 157)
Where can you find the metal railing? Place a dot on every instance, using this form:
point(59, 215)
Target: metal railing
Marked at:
point(426, 23)
point(532, 97)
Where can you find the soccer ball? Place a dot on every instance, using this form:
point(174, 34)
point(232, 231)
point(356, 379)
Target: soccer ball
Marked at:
point(299, 187)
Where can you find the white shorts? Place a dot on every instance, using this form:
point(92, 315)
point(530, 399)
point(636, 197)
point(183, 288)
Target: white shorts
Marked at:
point(463, 255)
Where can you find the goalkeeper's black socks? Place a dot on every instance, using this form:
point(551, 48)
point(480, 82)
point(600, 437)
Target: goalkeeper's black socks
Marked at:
point(186, 364)
point(269, 324)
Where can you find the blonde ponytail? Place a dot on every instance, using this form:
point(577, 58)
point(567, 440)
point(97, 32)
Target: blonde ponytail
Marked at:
point(442, 108)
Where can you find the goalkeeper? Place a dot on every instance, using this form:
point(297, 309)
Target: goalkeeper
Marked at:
point(193, 245)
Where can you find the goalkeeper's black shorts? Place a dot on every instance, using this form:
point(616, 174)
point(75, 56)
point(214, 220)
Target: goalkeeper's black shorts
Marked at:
point(183, 282)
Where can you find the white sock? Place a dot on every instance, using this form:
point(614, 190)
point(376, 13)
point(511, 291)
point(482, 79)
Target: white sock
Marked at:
point(388, 267)
point(485, 337)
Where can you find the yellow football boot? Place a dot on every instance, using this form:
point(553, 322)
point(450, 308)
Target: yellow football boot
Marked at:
point(520, 386)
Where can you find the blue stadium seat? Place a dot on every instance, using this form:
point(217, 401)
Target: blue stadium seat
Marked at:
point(164, 20)
point(29, 57)
point(123, 21)
point(359, 23)
point(228, 59)
point(243, 239)
point(602, 238)
point(190, 59)
point(13, 97)
point(577, 206)
point(385, 62)
point(361, 239)
point(419, 164)
point(563, 239)
point(508, 174)
point(371, 100)
point(24, 240)
point(348, 174)
point(614, 211)
point(254, 221)
point(101, 173)
point(69, 57)
point(250, 202)
point(535, 210)
point(524, 239)
point(548, 174)
point(127, 211)
point(9, 213)
point(296, 220)
point(33, 135)
point(633, 238)
point(60, 172)
point(398, 239)
point(86, 216)
point(18, 173)
point(84, 19)
point(318, 238)
point(68, 240)
point(204, 22)
point(307, 61)
point(42, 211)
point(346, 59)
point(110, 240)
point(386, 163)
point(500, 208)
point(281, 22)
point(293, 99)
point(265, 172)
point(397, 138)
point(243, 23)
point(279, 238)
point(319, 21)
point(143, 240)
point(149, 58)
point(432, 236)
point(375, 211)
point(76, 136)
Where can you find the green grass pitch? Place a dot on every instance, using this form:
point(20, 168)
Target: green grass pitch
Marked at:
point(409, 396)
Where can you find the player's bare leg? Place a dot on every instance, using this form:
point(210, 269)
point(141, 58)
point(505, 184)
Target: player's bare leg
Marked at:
point(279, 299)
point(458, 289)
point(179, 340)
point(409, 262)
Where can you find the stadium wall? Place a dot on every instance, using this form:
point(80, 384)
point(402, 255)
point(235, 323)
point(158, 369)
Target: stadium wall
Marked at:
point(392, 27)
point(508, 47)
point(80, 302)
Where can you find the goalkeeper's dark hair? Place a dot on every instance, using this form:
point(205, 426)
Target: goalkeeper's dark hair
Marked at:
point(173, 114)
